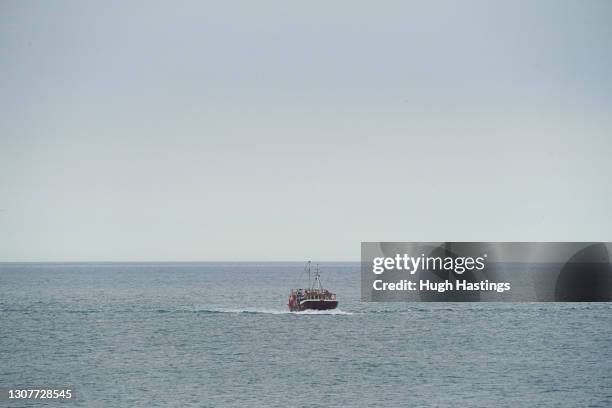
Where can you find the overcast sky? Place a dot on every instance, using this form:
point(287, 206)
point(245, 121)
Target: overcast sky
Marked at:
point(289, 131)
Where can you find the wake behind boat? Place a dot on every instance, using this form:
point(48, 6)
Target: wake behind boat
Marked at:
point(315, 297)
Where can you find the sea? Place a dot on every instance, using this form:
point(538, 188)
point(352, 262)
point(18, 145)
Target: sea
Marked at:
point(220, 335)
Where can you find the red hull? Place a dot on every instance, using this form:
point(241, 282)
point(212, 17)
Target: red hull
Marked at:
point(313, 304)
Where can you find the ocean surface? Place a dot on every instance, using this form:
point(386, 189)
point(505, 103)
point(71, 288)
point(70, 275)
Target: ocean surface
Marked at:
point(220, 335)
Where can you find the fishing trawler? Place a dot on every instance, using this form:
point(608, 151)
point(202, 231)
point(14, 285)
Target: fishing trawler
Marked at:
point(315, 297)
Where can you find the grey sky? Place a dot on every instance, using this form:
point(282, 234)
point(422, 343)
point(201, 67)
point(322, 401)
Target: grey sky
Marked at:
point(291, 131)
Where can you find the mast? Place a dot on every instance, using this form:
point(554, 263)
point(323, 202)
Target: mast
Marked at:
point(317, 280)
point(314, 279)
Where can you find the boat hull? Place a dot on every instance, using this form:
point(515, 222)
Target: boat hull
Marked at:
point(317, 304)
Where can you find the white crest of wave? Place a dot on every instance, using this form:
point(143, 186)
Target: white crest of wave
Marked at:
point(323, 312)
point(276, 312)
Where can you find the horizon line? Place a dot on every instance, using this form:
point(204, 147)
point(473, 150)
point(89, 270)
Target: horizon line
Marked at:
point(161, 262)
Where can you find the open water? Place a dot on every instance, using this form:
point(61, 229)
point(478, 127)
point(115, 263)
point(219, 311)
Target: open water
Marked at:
point(220, 335)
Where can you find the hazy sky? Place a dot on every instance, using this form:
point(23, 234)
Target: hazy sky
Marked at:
point(289, 131)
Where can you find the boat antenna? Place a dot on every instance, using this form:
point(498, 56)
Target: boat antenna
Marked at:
point(308, 268)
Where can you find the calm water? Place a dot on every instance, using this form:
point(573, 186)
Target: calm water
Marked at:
point(219, 335)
